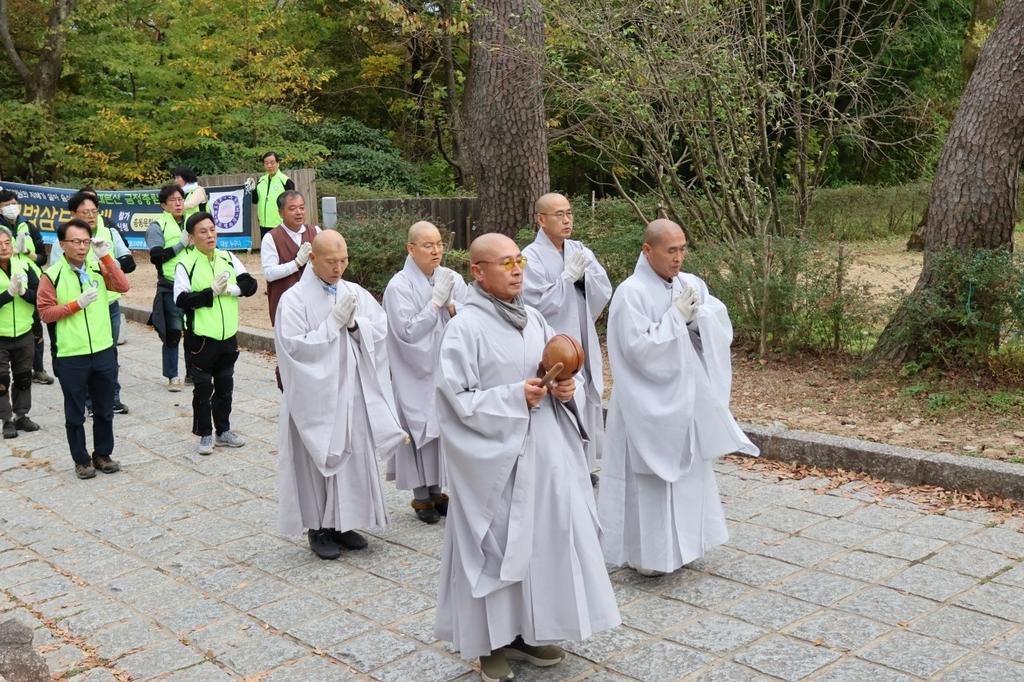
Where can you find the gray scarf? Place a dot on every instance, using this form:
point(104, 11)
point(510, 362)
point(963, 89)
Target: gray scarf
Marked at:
point(514, 312)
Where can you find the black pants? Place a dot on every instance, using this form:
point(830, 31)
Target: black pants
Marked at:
point(16, 375)
point(213, 371)
point(93, 375)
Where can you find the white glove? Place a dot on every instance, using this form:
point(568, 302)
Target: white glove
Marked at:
point(19, 244)
point(303, 256)
point(344, 313)
point(88, 296)
point(687, 303)
point(575, 264)
point(444, 283)
point(250, 184)
point(184, 238)
point(100, 247)
point(220, 284)
point(14, 288)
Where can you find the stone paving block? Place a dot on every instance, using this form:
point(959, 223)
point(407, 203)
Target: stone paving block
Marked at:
point(41, 590)
point(325, 631)
point(959, 626)
point(785, 658)
point(427, 586)
point(228, 635)
point(211, 528)
point(408, 569)
point(259, 657)
point(293, 610)
point(25, 573)
point(986, 668)
point(195, 615)
point(1002, 601)
point(771, 610)
point(838, 630)
point(373, 650)
point(709, 592)
point(1014, 576)
point(316, 575)
point(375, 554)
point(914, 654)
point(841, 532)
point(430, 665)
point(94, 675)
point(189, 564)
point(204, 672)
point(887, 606)
point(801, 551)
point(311, 669)
point(933, 583)
point(654, 615)
point(661, 661)
point(126, 637)
point(150, 591)
point(59, 544)
point(1012, 648)
point(998, 540)
point(225, 578)
point(624, 594)
point(883, 517)
point(156, 660)
point(603, 645)
point(757, 571)
point(787, 520)
point(740, 509)
point(730, 672)
point(284, 559)
point(256, 594)
point(420, 628)
point(904, 546)
point(750, 537)
point(941, 527)
point(89, 621)
point(17, 556)
point(390, 606)
point(717, 634)
point(66, 657)
point(856, 670)
point(421, 538)
point(824, 505)
point(246, 549)
point(354, 589)
point(978, 563)
point(866, 566)
point(819, 588)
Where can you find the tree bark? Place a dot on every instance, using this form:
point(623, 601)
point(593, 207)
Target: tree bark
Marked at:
point(974, 195)
point(40, 79)
point(505, 112)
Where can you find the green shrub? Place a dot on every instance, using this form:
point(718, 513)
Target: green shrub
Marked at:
point(861, 212)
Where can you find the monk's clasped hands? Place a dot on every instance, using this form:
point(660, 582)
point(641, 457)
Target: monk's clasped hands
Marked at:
point(344, 312)
point(687, 302)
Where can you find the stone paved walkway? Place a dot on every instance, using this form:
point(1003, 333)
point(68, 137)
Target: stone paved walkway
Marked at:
point(172, 570)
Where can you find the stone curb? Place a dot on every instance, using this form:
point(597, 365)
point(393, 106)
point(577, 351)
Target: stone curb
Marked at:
point(889, 462)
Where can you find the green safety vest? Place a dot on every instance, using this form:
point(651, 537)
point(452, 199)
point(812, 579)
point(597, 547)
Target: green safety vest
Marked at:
point(268, 190)
point(103, 232)
point(29, 258)
point(16, 316)
point(219, 321)
point(172, 236)
point(87, 331)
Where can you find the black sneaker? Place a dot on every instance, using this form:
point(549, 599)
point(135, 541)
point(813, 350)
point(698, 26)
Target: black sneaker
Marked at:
point(10, 430)
point(425, 511)
point(85, 471)
point(105, 464)
point(349, 539)
point(189, 380)
point(120, 408)
point(25, 424)
point(322, 543)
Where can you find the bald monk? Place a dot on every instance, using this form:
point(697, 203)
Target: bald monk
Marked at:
point(570, 289)
point(337, 414)
point(420, 300)
point(521, 567)
point(668, 347)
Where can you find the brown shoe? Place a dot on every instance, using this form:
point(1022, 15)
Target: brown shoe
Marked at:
point(85, 471)
point(105, 464)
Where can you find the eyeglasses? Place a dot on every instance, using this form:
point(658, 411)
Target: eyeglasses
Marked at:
point(77, 242)
point(508, 263)
point(88, 214)
point(560, 215)
point(430, 246)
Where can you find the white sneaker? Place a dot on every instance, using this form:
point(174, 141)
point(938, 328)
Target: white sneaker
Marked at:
point(205, 445)
point(230, 439)
point(650, 573)
point(174, 384)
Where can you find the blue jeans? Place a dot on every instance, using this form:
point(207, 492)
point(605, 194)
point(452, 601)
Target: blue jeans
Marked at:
point(173, 318)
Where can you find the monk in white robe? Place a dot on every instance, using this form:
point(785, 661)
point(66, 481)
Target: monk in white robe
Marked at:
point(336, 409)
point(419, 301)
point(521, 566)
point(570, 288)
point(668, 347)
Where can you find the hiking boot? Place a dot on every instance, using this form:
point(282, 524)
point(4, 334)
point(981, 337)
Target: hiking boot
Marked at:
point(541, 656)
point(105, 464)
point(425, 511)
point(441, 504)
point(494, 668)
point(229, 439)
point(174, 384)
point(349, 539)
point(205, 445)
point(120, 408)
point(25, 424)
point(41, 377)
point(85, 471)
point(322, 544)
point(10, 430)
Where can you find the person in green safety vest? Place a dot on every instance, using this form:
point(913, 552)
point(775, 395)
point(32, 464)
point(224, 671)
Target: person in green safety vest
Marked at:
point(266, 190)
point(207, 284)
point(18, 286)
point(167, 241)
point(195, 196)
point(72, 300)
point(28, 246)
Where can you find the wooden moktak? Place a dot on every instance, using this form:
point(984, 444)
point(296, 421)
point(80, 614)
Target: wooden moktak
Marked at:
point(562, 359)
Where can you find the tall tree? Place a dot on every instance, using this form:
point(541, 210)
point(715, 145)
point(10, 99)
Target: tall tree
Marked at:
point(974, 195)
point(40, 78)
point(505, 112)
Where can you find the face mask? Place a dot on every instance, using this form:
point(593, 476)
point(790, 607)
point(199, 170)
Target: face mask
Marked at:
point(11, 212)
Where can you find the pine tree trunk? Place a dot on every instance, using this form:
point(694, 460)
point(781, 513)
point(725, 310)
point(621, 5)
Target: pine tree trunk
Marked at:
point(974, 195)
point(505, 113)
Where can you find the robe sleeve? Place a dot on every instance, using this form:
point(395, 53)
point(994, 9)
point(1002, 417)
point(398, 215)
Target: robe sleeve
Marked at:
point(411, 324)
point(598, 285)
point(543, 289)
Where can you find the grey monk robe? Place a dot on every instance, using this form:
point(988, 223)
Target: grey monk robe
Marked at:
point(522, 552)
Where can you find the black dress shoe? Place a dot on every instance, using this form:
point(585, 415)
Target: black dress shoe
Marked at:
point(23, 423)
point(349, 539)
point(425, 511)
point(322, 543)
point(441, 504)
point(10, 430)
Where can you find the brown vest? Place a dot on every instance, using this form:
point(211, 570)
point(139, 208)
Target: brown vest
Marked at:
point(286, 250)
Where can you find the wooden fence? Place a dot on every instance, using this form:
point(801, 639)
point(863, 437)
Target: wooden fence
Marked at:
point(305, 183)
point(457, 215)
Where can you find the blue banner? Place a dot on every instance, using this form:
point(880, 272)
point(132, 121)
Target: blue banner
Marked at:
point(132, 212)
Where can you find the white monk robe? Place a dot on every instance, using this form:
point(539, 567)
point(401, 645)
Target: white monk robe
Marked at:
point(336, 412)
point(414, 337)
point(548, 288)
point(522, 553)
point(668, 419)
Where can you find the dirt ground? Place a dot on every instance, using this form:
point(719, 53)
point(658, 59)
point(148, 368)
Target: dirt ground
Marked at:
point(806, 393)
